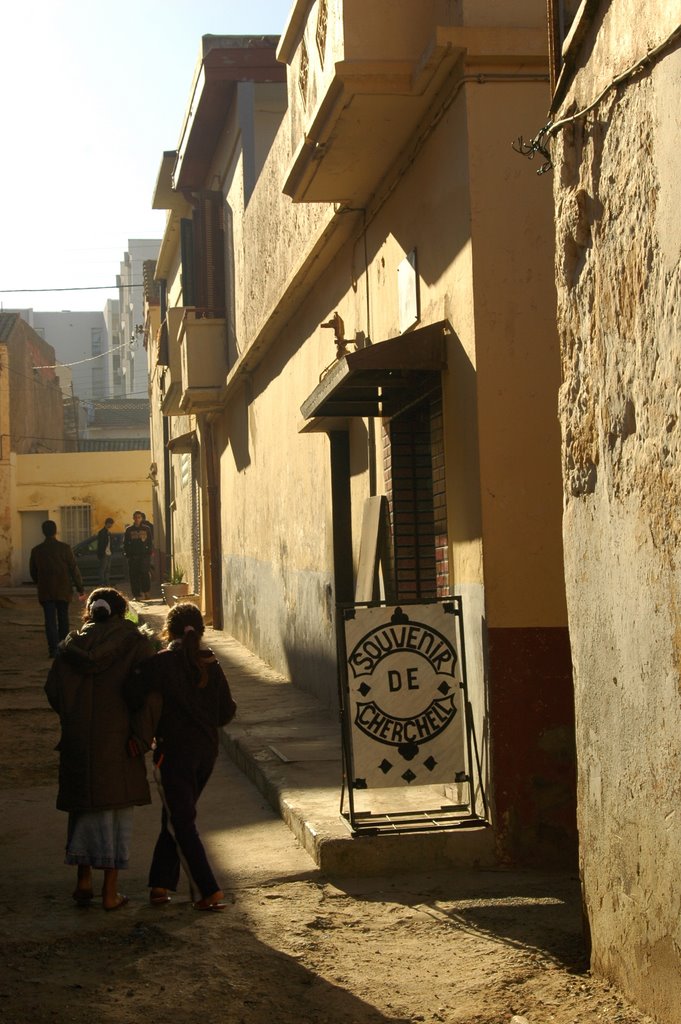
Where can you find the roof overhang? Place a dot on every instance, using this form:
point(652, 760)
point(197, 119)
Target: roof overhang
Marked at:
point(224, 61)
point(164, 198)
point(381, 379)
point(369, 109)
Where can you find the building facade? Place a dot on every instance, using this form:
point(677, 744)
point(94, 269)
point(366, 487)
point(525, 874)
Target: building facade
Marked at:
point(31, 415)
point(614, 147)
point(112, 319)
point(358, 305)
point(79, 340)
point(130, 368)
point(78, 490)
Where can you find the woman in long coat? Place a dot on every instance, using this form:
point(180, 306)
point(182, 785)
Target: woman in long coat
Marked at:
point(102, 774)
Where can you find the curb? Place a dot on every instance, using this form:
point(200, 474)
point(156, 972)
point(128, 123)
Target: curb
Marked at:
point(305, 793)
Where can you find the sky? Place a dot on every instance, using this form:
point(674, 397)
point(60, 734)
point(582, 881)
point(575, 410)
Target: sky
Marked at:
point(91, 94)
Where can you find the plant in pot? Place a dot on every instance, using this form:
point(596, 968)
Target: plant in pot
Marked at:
point(175, 588)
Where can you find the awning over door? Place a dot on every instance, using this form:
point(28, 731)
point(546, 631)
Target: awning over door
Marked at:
point(381, 379)
point(182, 443)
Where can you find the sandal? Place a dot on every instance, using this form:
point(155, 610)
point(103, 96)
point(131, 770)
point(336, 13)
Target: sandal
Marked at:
point(122, 901)
point(83, 897)
point(214, 902)
point(158, 896)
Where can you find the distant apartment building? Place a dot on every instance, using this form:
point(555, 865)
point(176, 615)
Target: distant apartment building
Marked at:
point(80, 341)
point(133, 362)
point(112, 319)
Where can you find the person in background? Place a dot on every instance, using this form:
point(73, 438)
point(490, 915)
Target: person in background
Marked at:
point(53, 568)
point(102, 774)
point(104, 552)
point(137, 548)
point(150, 527)
point(196, 702)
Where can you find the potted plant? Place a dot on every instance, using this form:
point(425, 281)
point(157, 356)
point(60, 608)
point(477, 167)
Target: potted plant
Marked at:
point(175, 589)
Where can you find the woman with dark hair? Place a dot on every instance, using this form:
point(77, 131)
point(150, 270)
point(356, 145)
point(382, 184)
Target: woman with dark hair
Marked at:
point(102, 774)
point(196, 703)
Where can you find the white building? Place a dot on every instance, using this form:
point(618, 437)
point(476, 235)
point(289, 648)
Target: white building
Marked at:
point(133, 362)
point(78, 339)
point(112, 318)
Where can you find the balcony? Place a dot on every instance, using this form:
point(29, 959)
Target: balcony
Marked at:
point(362, 82)
point(203, 359)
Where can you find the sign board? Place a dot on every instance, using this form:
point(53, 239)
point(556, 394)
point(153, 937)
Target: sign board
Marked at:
point(403, 701)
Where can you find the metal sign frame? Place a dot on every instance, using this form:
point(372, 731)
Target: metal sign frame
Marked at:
point(447, 816)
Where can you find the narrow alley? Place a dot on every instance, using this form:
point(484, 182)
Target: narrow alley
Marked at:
point(296, 944)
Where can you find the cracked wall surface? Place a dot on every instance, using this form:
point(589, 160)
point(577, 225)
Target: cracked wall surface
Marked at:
point(618, 234)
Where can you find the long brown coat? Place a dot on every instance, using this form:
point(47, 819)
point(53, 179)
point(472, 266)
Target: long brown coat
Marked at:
point(84, 686)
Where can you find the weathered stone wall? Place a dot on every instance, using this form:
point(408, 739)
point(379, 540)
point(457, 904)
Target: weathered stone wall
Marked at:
point(617, 180)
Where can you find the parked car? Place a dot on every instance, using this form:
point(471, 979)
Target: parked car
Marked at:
point(88, 563)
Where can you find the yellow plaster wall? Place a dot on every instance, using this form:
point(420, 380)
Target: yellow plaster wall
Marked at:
point(112, 483)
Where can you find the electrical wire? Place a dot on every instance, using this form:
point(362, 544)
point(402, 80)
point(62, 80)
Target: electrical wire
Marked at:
point(77, 362)
point(143, 393)
point(77, 288)
point(539, 144)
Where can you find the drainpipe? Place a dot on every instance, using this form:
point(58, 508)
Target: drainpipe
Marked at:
point(166, 499)
point(167, 511)
point(214, 559)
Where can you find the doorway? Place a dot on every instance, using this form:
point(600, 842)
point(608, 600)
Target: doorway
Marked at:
point(31, 534)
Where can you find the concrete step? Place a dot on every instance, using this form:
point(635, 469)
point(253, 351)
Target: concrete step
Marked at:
point(289, 745)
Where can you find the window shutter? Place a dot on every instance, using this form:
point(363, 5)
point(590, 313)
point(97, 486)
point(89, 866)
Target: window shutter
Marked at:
point(188, 263)
point(209, 253)
point(163, 353)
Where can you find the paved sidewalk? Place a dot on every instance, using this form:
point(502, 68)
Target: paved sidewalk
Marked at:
point(289, 745)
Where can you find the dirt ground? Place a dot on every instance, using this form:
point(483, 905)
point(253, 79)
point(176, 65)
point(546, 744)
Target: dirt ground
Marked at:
point(294, 946)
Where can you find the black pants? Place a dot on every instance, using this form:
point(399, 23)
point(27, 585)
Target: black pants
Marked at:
point(140, 581)
point(56, 623)
point(181, 778)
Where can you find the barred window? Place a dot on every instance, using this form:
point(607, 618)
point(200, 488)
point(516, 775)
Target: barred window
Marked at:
point(75, 523)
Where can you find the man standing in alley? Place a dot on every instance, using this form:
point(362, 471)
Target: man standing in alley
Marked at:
point(137, 547)
point(104, 552)
point(53, 567)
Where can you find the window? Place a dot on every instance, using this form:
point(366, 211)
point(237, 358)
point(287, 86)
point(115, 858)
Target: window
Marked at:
point(185, 468)
point(562, 19)
point(75, 523)
point(415, 474)
point(203, 255)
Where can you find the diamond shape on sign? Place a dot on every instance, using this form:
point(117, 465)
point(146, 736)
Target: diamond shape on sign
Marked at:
point(385, 766)
point(408, 776)
point(444, 687)
point(430, 763)
point(364, 689)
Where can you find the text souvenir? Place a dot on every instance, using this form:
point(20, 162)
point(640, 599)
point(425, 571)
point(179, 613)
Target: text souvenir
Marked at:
point(405, 704)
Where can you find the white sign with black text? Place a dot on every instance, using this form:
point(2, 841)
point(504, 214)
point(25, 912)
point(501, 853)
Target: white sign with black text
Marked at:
point(404, 701)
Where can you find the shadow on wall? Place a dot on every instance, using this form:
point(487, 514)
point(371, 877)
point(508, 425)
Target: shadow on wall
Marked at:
point(533, 753)
point(460, 388)
point(291, 630)
point(315, 672)
point(238, 424)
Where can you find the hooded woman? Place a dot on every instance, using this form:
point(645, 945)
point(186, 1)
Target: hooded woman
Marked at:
point(102, 774)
